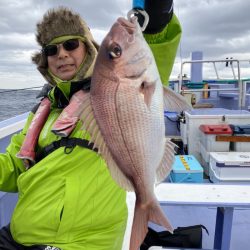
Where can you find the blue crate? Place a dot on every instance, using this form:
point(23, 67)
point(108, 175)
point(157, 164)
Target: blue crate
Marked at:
point(186, 169)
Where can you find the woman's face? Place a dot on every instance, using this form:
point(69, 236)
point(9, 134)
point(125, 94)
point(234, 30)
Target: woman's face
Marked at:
point(65, 63)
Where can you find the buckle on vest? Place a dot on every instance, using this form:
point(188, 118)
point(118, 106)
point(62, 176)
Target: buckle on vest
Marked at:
point(69, 144)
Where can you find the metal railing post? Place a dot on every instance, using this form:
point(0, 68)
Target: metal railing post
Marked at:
point(241, 84)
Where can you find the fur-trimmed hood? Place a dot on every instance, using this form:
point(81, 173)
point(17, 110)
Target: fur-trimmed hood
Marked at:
point(64, 22)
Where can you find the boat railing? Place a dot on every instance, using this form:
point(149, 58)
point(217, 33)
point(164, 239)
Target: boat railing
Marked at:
point(242, 84)
point(7, 129)
point(12, 125)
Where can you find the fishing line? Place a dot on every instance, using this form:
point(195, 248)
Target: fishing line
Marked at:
point(12, 90)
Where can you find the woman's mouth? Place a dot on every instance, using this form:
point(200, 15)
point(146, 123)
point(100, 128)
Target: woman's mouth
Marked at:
point(65, 66)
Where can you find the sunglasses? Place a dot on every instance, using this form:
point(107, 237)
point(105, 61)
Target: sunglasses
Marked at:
point(69, 45)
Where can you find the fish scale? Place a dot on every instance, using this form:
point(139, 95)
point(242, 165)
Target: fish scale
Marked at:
point(133, 129)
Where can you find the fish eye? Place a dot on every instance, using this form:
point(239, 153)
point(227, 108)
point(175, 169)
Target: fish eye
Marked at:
point(115, 51)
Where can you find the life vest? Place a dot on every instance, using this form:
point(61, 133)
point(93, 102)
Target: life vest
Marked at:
point(27, 152)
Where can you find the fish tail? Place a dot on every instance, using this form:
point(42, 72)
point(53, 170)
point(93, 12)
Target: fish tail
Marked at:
point(142, 215)
point(157, 216)
point(139, 227)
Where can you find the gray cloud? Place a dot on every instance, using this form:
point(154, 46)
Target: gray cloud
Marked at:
point(215, 27)
point(219, 28)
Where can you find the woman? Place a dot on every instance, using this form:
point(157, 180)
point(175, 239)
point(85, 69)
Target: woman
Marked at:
point(67, 198)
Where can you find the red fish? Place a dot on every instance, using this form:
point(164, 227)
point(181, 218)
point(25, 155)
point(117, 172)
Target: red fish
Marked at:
point(124, 113)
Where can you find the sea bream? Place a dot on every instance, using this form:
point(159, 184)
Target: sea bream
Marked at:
point(124, 113)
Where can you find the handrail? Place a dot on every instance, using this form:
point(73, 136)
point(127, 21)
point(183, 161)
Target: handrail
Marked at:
point(241, 84)
point(205, 90)
point(12, 125)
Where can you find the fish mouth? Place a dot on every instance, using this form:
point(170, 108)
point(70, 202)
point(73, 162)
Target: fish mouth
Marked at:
point(129, 26)
point(125, 29)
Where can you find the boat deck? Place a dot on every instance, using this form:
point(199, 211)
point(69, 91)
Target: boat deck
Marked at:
point(223, 209)
point(179, 214)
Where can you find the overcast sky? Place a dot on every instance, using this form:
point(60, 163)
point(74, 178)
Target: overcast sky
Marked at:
point(218, 28)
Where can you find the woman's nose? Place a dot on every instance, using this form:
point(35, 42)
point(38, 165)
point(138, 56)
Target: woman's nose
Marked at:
point(61, 51)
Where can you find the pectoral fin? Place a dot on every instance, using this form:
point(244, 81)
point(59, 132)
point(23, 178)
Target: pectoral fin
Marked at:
point(174, 102)
point(147, 90)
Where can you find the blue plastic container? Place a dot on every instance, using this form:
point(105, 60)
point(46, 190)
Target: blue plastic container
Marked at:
point(241, 130)
point(186, 169)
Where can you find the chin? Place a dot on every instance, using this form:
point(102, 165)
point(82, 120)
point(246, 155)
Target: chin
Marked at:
point(67, 78)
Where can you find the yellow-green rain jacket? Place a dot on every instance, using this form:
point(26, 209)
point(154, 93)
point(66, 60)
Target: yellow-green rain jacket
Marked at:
point(70, 200)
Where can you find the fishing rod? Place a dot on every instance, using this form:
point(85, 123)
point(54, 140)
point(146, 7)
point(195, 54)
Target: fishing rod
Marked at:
point(12, 90)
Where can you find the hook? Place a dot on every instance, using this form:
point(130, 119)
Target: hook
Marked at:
point(135, 12)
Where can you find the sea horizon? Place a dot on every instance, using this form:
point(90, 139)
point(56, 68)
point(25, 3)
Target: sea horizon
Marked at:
point(16, 102)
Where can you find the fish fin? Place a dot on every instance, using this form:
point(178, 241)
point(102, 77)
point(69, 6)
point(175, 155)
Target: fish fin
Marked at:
point(139, 227)
point(167, 161)
point(142, 215)
point(174, 102)
point(157, 216)
point(90, 125)
point(117, 174)
point(147, 90)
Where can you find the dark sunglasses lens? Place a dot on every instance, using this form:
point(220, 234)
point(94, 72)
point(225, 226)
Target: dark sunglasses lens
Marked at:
point(50, 50)
point(71, 44)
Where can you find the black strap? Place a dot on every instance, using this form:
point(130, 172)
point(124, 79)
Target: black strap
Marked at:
point(68, 143)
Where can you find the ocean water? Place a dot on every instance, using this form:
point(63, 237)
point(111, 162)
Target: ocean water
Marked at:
point(16, 102)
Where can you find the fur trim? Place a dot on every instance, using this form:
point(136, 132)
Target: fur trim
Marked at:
point(62, 22)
